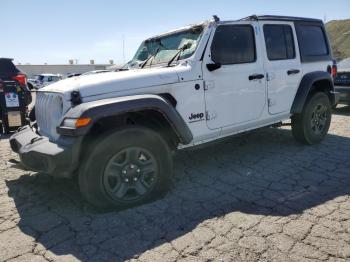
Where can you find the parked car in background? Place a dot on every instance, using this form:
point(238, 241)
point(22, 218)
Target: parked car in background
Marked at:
point(95, 72)
point(9, 72)
point(342, 81)
point(15, 96)
point(43, 80)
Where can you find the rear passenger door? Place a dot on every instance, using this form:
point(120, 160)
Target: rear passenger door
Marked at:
point(282, 64)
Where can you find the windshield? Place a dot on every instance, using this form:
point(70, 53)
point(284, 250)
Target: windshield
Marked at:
point(39, 77)
point(164, 48)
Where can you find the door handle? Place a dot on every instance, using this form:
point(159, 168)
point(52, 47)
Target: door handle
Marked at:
point(256, 76)
point(293, 71)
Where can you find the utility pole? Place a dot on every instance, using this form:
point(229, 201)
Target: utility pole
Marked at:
point(123, 49)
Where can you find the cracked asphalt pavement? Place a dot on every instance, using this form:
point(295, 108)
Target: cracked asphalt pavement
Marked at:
point(259, 196)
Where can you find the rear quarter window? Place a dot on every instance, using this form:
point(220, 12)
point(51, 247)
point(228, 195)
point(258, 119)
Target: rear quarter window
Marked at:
point(313, 42)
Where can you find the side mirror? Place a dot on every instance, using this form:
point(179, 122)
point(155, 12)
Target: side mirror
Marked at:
point(214, 66)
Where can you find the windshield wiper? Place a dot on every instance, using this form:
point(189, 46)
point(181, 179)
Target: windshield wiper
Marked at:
point(183, 48)
point(150, 57)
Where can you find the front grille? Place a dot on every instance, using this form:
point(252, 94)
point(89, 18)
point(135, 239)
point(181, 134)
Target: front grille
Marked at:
point(342, 78)
point(48, 111)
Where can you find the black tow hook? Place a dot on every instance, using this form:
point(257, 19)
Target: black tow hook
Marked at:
point(35, 139)
point(21, 128)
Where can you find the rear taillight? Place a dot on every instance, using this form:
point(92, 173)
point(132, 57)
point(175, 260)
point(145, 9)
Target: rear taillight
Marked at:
point(334, 70)
point(21, 78)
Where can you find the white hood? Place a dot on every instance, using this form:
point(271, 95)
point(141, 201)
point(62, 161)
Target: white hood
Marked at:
point(103, 83)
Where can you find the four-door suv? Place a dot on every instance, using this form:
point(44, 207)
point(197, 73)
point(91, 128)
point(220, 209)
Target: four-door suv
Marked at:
point(117, 131)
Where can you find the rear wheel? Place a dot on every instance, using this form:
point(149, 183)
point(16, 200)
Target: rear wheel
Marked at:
point(126, 168)
point(312, 124)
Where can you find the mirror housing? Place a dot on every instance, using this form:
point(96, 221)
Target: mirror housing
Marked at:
point(213, 66)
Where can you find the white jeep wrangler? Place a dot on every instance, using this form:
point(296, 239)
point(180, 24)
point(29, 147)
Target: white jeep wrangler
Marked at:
point(117, 130)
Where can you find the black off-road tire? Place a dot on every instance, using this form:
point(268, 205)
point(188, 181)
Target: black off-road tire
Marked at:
point(303, 128)
point(94, 182)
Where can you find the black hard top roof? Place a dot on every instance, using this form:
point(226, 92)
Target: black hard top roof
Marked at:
point(281, 18)
point(5, 58)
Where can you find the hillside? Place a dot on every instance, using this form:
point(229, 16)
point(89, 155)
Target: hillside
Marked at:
point(339, 34)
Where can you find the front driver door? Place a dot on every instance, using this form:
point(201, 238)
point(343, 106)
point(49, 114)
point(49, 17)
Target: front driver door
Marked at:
point(235, 93)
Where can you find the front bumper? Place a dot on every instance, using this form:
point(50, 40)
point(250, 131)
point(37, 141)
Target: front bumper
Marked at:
point(39, 154)
point(344, 94)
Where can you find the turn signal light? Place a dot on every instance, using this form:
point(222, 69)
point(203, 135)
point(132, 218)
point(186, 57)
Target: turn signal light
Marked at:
point(81, 122)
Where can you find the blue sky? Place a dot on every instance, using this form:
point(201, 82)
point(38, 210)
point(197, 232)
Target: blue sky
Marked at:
point(54, 31)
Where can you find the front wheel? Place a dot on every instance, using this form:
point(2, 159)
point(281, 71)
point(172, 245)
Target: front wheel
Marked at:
point(312, 124)
point(125, 168)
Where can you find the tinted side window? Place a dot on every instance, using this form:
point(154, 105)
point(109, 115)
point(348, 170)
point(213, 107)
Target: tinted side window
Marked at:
point(233, 44)
point(279, 42)
point(312, 40)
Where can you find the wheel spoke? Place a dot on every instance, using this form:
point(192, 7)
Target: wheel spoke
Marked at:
point(117, 165)
point(140, 188)
point(121, 190)
point(119, 160)
point(113, 173)
point(313, 115)
point(323, 121)
point(113, 169)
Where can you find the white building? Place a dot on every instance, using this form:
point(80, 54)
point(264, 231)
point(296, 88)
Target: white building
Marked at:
point(32, 70)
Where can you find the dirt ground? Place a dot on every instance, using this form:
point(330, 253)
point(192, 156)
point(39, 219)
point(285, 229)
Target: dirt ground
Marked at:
point(259, 196)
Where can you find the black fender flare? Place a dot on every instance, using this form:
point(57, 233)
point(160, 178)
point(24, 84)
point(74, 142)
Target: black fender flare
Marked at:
point(306, 85)
point(103, 108)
